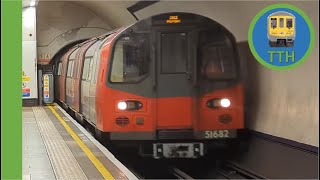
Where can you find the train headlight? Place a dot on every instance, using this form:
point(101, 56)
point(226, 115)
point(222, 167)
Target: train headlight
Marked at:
point(122, 105)
point(218, 103)
point(225, 102)
point(129, 105)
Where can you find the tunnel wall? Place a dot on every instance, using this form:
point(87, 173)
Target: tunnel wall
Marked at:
point(279, 103)
point(60, 23)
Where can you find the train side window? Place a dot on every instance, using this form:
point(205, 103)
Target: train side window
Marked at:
point(273, 22)
point(97, 60)
point(289, 23)
point(91, 52)
point(85, 73)
point(74, 69)
point(90, 72)
point(59, 69)
point(130, 61)
point(70, 68)
point(281, 22)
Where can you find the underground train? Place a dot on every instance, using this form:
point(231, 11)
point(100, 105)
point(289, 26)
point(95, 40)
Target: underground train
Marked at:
point(168, 86)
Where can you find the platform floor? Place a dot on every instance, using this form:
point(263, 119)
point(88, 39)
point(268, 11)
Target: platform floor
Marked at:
point(55, 146)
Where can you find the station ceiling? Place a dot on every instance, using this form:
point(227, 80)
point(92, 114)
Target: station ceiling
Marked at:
point(115, 13)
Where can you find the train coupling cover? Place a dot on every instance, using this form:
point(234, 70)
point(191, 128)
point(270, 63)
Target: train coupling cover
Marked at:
point(178, 150)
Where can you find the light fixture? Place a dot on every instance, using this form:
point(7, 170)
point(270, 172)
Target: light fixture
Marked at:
point(32, 3)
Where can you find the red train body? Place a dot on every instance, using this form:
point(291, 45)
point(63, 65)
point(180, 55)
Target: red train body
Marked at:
point(170, 82)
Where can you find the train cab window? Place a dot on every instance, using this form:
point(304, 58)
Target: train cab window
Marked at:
point(70, 68)
point(217, 62)
point(273, 22)
point(289, 23)
point(130, 62)
point(217, 57)
point(173, 53)
point(86, 66)
point(281, 22)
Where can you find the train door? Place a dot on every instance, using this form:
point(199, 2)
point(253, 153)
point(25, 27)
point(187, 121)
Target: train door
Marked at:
point(70, 78)
point(174, 79)
point(79, 73)
point(63, 77)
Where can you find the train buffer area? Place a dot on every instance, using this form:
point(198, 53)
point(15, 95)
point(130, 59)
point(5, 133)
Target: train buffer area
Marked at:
point(56, 147)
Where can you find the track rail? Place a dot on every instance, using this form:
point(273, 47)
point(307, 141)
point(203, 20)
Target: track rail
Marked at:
point(230, 170)
point(179, 174)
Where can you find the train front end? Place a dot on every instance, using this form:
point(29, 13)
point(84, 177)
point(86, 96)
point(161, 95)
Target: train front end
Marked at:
point(171, 86)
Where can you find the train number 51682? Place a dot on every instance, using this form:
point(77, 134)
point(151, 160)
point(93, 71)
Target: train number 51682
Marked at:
point(216, 134)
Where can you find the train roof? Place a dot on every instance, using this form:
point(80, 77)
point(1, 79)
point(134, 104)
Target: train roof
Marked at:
point(281, 13)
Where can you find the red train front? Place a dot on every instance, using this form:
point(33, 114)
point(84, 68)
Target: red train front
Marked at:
point(168, 84)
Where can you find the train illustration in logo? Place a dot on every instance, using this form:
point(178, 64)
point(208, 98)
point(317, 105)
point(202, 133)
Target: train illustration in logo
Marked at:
point(281, 29)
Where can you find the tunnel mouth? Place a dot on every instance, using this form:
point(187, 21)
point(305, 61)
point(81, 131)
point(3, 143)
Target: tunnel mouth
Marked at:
point(65, 49)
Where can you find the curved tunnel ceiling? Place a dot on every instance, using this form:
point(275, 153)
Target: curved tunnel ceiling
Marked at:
point(227, 13)
point(115, 13)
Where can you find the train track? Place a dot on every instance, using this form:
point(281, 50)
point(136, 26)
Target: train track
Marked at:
point(231, 171)
point(179, 174)
point(148, 168)
point(226, 171)
point(158, 171)
point(170, 173)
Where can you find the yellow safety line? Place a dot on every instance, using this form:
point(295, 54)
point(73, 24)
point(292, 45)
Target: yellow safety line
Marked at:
point(104, 172)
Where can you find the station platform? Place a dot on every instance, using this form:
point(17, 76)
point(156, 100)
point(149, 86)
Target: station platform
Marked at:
point(55, 146)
